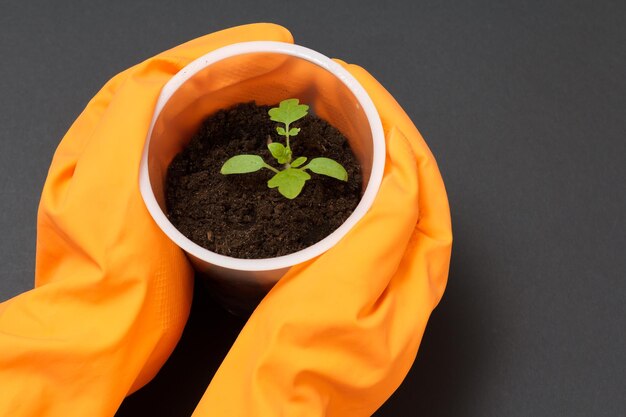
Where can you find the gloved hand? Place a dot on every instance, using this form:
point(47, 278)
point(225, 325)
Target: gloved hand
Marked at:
point(334, 338)
point(113, 292)
point(337, 335)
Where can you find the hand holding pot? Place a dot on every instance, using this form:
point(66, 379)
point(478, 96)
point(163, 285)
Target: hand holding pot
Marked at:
point(113, 292)
point(337, 335)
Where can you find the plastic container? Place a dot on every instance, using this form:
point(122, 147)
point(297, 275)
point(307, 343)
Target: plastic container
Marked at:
point(266, 72)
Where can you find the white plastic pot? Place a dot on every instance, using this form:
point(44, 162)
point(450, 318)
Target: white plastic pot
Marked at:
point(239, 73)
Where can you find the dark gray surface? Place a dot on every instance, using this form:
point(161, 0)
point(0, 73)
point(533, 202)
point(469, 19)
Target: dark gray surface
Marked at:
point(523, 104)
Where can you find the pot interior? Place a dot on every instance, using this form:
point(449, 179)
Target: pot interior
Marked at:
point(266, 78)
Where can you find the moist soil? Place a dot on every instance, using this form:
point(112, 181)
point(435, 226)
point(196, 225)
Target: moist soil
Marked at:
point(238, 215)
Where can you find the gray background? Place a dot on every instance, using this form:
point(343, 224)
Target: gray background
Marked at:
point(522, 102)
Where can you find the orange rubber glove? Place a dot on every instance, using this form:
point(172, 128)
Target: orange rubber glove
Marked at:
point(335, 337)
point(113, 292)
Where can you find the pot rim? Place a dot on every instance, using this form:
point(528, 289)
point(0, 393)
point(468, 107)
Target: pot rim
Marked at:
point(285, 261)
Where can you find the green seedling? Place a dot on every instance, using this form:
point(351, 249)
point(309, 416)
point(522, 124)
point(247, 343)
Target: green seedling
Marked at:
point(291, 178)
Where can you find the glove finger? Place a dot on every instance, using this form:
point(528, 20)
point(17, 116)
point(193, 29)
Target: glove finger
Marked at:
point(434, 230)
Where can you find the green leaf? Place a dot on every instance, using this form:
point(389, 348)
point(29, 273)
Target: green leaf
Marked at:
point(294, 131)
point(288, 111)
point(286, 158)
point(281, 130)
point(242, 164)
point(328, 167)
point(278, 150)
point(298, 161)
point(289, 182)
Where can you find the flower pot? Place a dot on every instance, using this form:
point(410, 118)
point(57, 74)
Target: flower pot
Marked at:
point(266, 72)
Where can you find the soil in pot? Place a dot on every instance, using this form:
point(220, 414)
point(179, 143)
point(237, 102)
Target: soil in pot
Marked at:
point(238, 215)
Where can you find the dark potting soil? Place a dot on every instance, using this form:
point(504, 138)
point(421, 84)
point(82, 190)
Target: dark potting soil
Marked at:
point(238, 215)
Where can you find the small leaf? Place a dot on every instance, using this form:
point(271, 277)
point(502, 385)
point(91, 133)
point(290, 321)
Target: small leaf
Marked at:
point(298, 161)
point(328, 167)
point(288, 111)
point(294, 131)
point(242, 164)
point(278, 150)
point(285, 158)
point(289, 182)
point(281, 130)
